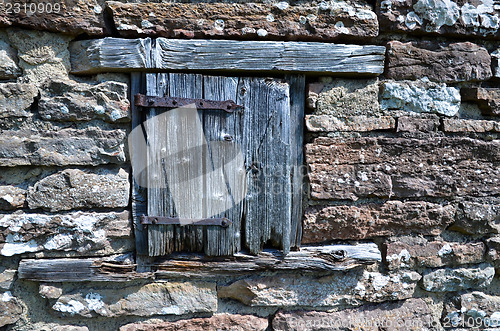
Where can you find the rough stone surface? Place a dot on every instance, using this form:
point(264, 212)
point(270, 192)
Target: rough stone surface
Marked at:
point(417, 124)
point(478, 217)
point(478, 19)
point(6, 278)
point(75, 234)
point(172, 298)
point(344, 97)
point(420, 96)
point(325, 123)
point(11, 197)
point(16, 99)
point(371, 220)
point(458, 62)
point(414, 252)
point(355, 168)
point(457, 279)
point(69, 17)
point(65, 100)
point(77, 189)
point(488, 99)
point(42, 55)
point(221, 322)
point(462, 125)
point(337, 290)
point(306, 21)
point(494, 251)
point(8, 60)
point(413, 313)
point(473, 309)
point(86, 146)
point(10, 309)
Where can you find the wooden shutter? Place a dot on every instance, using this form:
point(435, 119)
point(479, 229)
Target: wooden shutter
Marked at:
point(269, 133)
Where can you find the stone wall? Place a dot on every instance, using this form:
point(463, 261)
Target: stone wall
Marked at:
point(407, 161)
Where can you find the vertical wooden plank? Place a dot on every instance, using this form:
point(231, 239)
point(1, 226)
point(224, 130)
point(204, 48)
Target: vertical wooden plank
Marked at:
point(138, 149)
point(225, 183)
point(267, 142)
point(297, 104)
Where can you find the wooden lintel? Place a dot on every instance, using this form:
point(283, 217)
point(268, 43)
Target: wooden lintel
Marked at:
point(318, 259)
point(116, 54)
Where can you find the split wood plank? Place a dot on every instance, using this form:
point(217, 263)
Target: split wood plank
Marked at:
point(308, 259)
point(116, 54)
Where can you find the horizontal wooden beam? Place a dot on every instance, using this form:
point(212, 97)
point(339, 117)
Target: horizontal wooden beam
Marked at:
point(317, 259)
point(115, 54)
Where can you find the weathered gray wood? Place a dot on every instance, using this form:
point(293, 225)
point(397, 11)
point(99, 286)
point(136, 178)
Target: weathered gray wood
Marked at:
point(297, 106)
point(110, 54)
point(115, 54)
point(313, 259)
point(266, 142)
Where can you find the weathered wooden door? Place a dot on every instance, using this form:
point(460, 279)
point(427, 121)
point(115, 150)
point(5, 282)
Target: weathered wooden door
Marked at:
point(212, 164)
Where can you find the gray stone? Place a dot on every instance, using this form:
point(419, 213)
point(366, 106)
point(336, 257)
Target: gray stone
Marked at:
point(11, 197)
point(171, 298)
point(10, 309)
point(65, 100)
point(81, 189)
point(342, 289)
point(418, 124)
point(451, 280)
point(6, 278)
point(345, 97)
point(421, 96)
point(42, 55)
point(217, 322)
point(473, 310)
point(8, 61)
point(493, 244)
point(74, 234)
point(88, 146)
point(327, 123)
point(16, 99)
point(478, 217)
point(488, 99)
point(413, 252)
point(414, 313)
point(325, 223)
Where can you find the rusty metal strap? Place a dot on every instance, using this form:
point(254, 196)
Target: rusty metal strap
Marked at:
point(147, 101)
point(160, 220)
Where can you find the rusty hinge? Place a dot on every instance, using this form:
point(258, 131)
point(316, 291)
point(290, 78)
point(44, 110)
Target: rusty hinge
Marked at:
point(176, 102)
point(161, 220)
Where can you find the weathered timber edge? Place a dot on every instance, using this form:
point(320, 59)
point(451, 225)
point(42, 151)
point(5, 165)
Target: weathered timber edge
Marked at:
point(324, 258)
point(117, 54)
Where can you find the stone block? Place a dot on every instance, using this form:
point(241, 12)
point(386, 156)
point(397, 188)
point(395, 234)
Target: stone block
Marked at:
point(342, 289)
point(216, 322)
point(450, 18)
point(86, 146)
point(417, 124)
point(457, 279)
point(66, 100)
point(16, 99)
point(327, 123)
point(463, 125)
point(478, 217)
point(300, 21)
point(8, 60)
point(474, 310)
point(10, 309)
point(413, 313)
point(42, 55)
point(68, 17)
point(168, 298)
point(11, 197)
point(81, 189)
point(488, 99)
point(415, 252)
point(74, 234)
point(325, 223)
point(345, 97)
point(453, 63)
point(420, 96)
